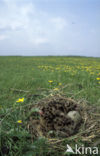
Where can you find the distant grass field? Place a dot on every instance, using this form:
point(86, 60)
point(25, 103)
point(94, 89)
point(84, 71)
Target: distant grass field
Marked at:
point(22, 77)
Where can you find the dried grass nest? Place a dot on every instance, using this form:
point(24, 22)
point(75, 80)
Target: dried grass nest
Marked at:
point(49, 118)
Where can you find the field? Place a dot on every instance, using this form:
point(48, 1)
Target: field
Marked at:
point(29, 79)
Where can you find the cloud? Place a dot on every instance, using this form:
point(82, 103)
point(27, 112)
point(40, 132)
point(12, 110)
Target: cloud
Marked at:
point(38, 26)
point(5, 29)
point(3, 37)
point(25, 23)
point(59, 23)
point(38, 41)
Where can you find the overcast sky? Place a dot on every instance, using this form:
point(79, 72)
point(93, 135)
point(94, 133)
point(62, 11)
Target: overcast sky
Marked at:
point(50, 27)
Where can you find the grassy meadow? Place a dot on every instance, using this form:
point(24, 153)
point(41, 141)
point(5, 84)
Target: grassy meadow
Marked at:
point(33, 78)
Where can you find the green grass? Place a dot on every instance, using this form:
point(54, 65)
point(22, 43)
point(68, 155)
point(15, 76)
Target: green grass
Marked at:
point(32, 74)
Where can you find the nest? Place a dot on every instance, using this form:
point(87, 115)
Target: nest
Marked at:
point(49, 118)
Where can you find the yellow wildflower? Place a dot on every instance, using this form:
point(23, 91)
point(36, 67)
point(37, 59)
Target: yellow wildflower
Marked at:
point(20, 100)
point(19, 121)
point(50, 81)
point(98, 78)
point(56, 89)
point(60, 84)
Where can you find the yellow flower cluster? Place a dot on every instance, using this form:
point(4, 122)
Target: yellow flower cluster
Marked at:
point(56, 89)
point(72, 67)
point(60, 84)
point(98, 78)
point(20, 100)
point(50, 81)
point(19, 121)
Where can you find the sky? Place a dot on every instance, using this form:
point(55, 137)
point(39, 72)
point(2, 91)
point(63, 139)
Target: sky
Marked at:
point(50, 27)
